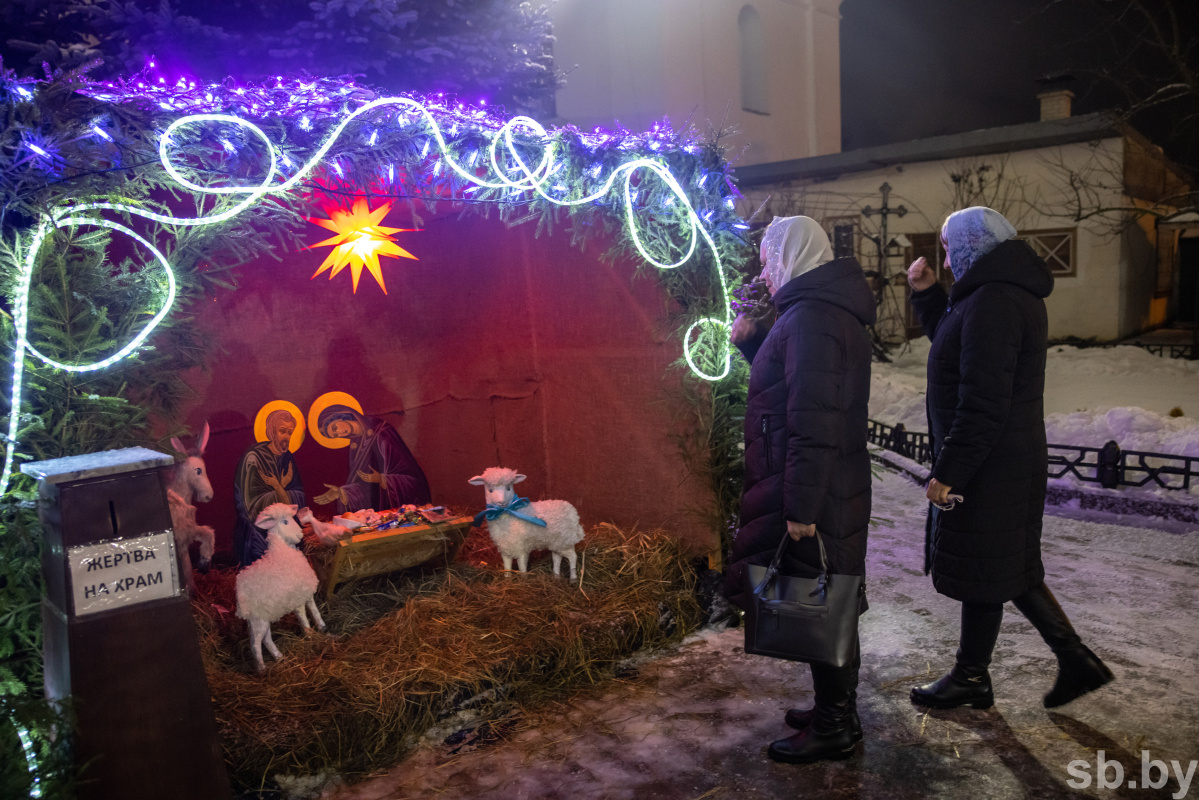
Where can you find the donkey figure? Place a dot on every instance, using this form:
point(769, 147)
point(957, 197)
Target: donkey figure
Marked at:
point(188, 483)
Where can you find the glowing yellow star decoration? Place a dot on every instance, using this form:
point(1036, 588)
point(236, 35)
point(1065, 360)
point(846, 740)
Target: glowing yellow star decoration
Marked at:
point(359, 242)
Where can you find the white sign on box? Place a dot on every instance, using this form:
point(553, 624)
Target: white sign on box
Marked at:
point(123, 572)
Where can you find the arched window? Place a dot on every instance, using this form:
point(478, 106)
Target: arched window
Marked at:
point(755, 96)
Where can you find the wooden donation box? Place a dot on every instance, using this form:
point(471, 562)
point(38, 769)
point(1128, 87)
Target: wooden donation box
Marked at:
point(120, 642)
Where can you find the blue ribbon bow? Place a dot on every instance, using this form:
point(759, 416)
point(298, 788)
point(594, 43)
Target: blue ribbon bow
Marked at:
point(494, 511)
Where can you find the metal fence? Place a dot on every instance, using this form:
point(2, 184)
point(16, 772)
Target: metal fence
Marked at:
point(1109, 466)
point(910, 444)
point(1172, 350)
point(1162, 349)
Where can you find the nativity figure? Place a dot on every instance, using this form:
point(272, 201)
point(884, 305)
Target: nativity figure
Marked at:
point(383, 472)
point(266, 474)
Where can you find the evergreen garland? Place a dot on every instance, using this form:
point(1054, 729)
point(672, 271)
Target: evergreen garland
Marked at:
point(497, 49)
point(83, 306)
point(68, 140)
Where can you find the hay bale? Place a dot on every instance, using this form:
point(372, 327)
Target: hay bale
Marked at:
point(403, 652)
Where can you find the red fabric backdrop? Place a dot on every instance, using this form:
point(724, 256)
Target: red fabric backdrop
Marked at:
point(496, 348)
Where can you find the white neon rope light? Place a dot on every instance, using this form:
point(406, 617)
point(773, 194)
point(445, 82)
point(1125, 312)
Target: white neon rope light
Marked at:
point(35, 790)
point(529, 179)
point(150, 326)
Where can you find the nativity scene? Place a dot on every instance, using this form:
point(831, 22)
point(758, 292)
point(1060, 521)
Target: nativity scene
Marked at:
point(384, 561)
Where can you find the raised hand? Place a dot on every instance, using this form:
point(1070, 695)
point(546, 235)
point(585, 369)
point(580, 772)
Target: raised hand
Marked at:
point(743, 329)
point(921, 275)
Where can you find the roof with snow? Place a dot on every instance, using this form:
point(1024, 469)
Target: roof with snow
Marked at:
point(1009, 138)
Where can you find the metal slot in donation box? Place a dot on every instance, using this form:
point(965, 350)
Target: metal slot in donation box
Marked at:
point(120, 643)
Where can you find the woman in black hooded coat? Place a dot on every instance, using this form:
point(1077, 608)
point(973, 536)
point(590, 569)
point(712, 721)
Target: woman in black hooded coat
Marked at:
point(986, 386)
point(807, 468)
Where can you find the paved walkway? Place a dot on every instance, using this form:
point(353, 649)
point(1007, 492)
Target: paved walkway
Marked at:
point(694, 723)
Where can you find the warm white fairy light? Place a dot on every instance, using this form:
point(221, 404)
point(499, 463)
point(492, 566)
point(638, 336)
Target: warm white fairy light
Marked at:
point(528, 179)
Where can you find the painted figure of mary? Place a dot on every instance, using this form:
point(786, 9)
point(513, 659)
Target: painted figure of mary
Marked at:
point(383, 472)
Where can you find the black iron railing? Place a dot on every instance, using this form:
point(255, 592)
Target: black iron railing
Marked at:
point(1162, 349)
point(1109, 466)
point(1171, 350)
point(910, 444)
point(1170, 472)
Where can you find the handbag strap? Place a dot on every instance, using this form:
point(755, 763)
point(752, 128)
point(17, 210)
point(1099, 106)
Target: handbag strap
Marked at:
point(773, 569)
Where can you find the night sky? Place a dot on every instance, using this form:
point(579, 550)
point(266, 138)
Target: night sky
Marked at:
point(916, 68)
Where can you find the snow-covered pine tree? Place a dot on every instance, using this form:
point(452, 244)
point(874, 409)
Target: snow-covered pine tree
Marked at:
point(499, 50)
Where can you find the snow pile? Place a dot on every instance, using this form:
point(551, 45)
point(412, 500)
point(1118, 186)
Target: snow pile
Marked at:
point(1132, 428)
point(1098, 379)
point(1092, 396)
point(894, 403)
point(897, 389)
point(1136, 389)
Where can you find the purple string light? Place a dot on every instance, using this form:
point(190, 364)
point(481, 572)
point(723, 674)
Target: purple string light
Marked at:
point(328, 98)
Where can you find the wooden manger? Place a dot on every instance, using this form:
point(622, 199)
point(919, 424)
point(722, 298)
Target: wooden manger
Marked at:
point(377, 552)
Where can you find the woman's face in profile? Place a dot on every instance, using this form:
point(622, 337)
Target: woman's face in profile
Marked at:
point(765, 276)
point(770, 287)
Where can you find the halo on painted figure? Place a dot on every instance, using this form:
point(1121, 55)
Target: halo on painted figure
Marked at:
point(297, 436)
point(320, 404)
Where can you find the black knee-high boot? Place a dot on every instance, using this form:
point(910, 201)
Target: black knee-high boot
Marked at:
point(799, 718)
point(968, 683)
point(1079, 670)
point(830, 735)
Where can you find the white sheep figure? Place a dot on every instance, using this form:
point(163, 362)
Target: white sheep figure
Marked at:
point(516, 537)
point(281, 580)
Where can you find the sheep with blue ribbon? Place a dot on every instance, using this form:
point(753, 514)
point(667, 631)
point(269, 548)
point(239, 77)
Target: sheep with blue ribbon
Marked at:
point(519, 526)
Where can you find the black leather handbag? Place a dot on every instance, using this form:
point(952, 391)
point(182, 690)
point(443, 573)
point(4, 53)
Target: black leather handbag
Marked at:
point(814, 620)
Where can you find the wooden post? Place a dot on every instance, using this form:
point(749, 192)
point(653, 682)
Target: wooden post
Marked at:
point(119, 639)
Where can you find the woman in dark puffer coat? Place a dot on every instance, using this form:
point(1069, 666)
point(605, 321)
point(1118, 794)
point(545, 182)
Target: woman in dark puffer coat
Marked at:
point(986, 386)
point(806, 464)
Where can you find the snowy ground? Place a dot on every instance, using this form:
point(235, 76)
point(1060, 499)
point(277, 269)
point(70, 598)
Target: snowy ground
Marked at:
point(693, 723)
point(1092, 395)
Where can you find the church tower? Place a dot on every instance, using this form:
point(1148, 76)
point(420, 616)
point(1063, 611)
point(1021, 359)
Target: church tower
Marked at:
point(770, 69)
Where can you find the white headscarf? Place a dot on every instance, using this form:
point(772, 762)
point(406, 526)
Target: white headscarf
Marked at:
point(972, 233)
point(792, 246)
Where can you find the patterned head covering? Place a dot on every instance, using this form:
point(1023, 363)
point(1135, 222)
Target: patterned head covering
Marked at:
point(792, 246)
point(972, 233)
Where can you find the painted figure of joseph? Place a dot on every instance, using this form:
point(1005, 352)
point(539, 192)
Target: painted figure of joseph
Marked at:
point(267, 473)
point(383, 472)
